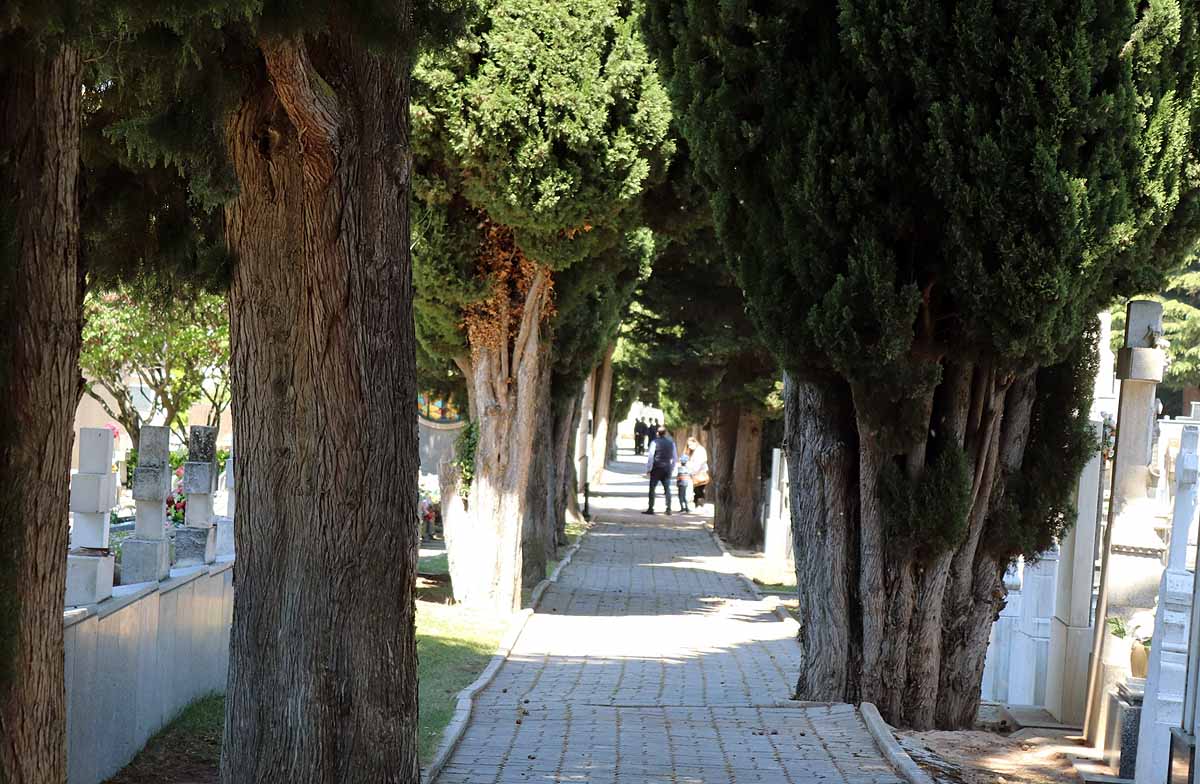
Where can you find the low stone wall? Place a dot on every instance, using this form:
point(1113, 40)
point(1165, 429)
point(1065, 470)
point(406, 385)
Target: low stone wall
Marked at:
point(134, 661)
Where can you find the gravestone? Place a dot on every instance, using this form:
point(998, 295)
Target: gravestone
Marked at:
point(93, 495)
point(146, 556)
point(1071, 627)
point(224, 524)
point(196, 540)
point(1133, 563)
point(1167, 675)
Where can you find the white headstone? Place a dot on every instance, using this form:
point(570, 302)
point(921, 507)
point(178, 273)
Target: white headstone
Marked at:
point(1166, 678)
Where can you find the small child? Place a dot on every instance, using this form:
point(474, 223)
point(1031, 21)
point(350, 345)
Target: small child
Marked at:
point(683, 483)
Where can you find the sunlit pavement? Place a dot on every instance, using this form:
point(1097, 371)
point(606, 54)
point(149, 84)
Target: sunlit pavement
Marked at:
point(650, 661)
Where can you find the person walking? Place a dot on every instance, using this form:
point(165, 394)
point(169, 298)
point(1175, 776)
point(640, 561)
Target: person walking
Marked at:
point(698, 463)
point(660, 467)
point(639, 436)
point(683, 483)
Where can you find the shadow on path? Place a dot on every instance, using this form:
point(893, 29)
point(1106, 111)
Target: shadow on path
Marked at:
point(651, 661)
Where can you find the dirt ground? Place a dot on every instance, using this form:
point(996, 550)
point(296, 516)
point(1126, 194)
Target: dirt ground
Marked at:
point(979, 757)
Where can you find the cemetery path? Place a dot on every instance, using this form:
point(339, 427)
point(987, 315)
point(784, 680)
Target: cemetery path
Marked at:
point(651, 661)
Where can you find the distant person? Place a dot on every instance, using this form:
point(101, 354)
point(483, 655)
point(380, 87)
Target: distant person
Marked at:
point(683, 483)
point(698, 464)
point(639, 436)
point(660, 466)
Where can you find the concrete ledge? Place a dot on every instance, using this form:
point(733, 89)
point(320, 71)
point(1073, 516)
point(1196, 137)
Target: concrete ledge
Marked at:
point(123, 596)
point(780, 612)
point(879, 729)
point(466, 698)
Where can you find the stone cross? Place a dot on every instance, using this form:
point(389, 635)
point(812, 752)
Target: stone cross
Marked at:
point(1166, 677)
point(196, 541)
point(93, 495)
point(146, 556)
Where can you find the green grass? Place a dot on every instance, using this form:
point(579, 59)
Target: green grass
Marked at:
point(574, 530)
point(453, 646)
point(186, 750)
point(434, 564)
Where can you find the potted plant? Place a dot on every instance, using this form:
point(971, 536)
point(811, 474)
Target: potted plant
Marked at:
point(1139, 645)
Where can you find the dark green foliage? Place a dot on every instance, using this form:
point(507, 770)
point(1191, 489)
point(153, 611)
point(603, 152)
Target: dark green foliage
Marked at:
point(899, 183)
point(547, 118)
point(900, 186)
point(696, 346)
point(161, 78)
point(1039, 505)
point(929, 514)
point(591, 300)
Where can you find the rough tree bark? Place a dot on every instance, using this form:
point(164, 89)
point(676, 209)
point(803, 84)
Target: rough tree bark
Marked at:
point(602, 439)
point(566, 498)
point(508, 357)
point(322, 675)
point(537, 530)
point(745, 527)
point(721, 461)
point(881, 620)
point(40, 386)
point(819, 444)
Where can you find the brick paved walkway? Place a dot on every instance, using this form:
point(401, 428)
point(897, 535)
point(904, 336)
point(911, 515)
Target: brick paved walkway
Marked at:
point(650, 662)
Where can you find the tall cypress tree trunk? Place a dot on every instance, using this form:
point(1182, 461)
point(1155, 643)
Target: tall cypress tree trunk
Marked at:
point(537, 530)
point(881, 620)
point(566, 500)
point(721, 465)
point(40, 385)
point(604, 432)
point(507, 377)
point(745, 528)
point(322, 675)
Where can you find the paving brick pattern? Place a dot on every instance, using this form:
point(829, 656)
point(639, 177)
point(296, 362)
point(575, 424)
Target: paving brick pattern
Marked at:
point(648, 663)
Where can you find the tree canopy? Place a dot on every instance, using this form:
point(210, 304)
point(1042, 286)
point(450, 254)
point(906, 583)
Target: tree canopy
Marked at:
point(926, 205)
point(177, 350)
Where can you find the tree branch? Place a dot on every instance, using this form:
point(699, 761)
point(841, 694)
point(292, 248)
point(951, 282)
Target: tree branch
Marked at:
point(309, 102)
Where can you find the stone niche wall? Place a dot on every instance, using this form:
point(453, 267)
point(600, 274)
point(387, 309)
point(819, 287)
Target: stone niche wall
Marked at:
point(135, 661)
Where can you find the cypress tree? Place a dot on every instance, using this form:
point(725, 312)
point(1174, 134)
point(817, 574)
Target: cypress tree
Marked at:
point(265, 148)
point(536, 135)
point(699, 345)
point(926, 205)
point(41, 297)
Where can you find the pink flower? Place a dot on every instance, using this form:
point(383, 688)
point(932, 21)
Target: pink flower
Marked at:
point(179, 471)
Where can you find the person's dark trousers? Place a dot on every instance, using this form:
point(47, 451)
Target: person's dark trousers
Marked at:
point(698, 495)
point(681, 491)
point(660, 478)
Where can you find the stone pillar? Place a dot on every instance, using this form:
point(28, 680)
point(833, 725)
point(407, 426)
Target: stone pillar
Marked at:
point(93, 495)
point(1166, 677)
point(1132, 558)
point(1071, 625)
point(146, 556)
point(196, 541)
point(777, 539)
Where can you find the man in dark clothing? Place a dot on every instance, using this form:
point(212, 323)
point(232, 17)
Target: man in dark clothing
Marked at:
point(639, 436)
point(660, 467)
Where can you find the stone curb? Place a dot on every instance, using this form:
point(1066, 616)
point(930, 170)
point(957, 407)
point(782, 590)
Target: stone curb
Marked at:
point(895, 754)
point(466, 698)
point(780, 613)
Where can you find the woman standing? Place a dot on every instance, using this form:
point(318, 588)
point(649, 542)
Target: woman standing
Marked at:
point(698, 463)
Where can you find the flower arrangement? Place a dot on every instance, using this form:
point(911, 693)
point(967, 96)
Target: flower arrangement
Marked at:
point(177, 500)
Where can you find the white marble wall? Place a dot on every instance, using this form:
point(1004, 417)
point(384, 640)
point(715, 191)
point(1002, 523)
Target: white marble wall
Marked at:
point(134, 661)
